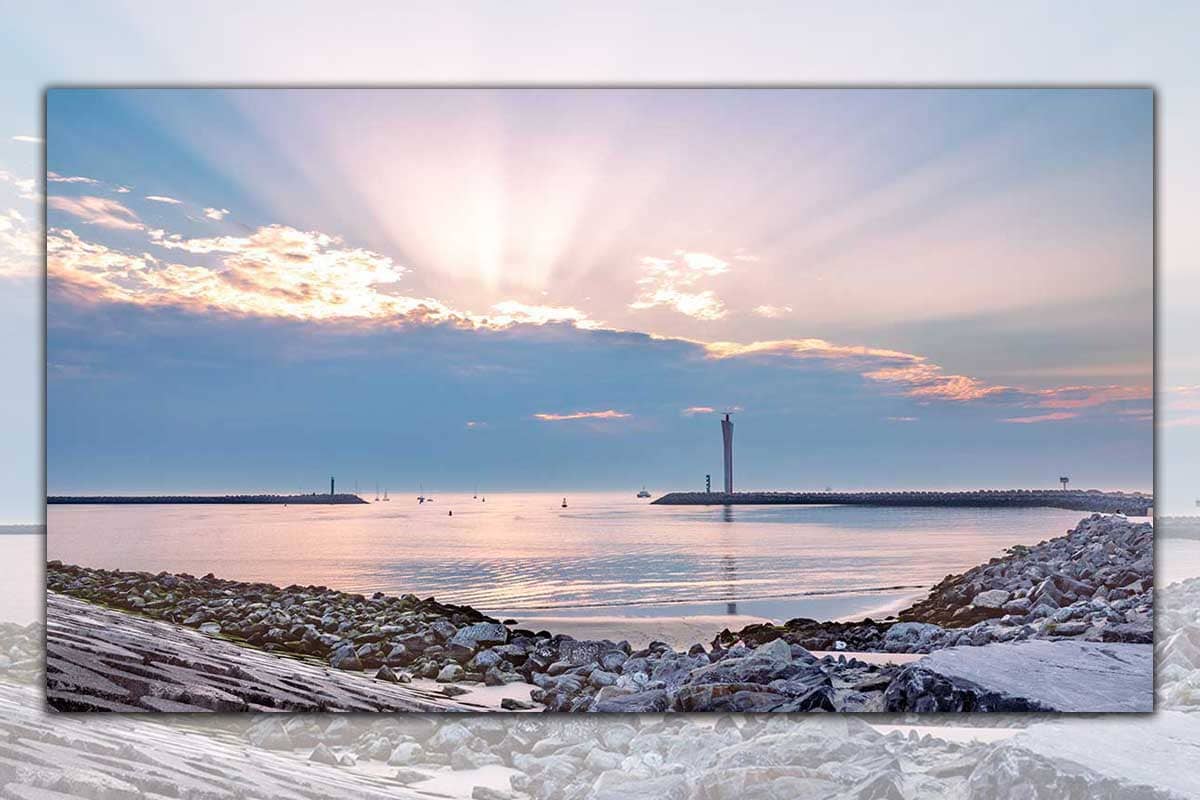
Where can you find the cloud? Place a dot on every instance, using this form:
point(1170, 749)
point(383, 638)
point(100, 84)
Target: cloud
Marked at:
point(474, 425)
point(122, 190)
point(915, 376)
point(1089, 396)
point(1055, 416)
point(282, 272)
point(772, 312)
point(29, 139)
point(670, 283)
point(54, 177)
point(98, 211)
point(607, 414)
point(692, 411)
point(20, 245)
point(510, 312)
point(27, 188)
point(158, 198)
point(921, 379)
point(902, 419)
point(216, 214)
point(276, 271)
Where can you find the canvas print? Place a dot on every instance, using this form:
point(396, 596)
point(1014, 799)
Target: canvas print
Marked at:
point(599, 399)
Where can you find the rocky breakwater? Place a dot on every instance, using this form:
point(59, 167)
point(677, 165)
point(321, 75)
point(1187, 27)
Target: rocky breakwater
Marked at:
point(1094, 584)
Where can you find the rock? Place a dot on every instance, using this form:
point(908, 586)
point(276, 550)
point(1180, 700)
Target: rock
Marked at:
point(450, 673)
point(1034, 675)
point(732, 697)
point(488, 793)
point(210, 628)
point(576, 653)
point(776, 650)
point(345, 658)
point(513, 704)
point(443, 630)
point(386, 674)
point(1070, 628)
point(323, 755)
point(992, 598)
point(484, 660)
point(911, 635)
point(481, 634)
point(638, 702)
point(405, 753)
point(601, 678)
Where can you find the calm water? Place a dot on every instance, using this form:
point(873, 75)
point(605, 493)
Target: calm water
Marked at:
point(523, 554)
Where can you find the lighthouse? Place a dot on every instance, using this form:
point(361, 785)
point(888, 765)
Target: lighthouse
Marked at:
point(727, 436)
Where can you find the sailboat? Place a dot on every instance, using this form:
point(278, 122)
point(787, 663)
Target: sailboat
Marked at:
point(385, 497)
point(564, 503)
point(643, 493)
point(377, 493)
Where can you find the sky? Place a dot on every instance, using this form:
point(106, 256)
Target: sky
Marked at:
point(1023, 42)
point(250, 290)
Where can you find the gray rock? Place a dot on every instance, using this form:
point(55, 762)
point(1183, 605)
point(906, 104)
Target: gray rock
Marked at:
point(638, 702)
point(323, 755)
point(992, 598)
point(481, 634)
point(450, 673)
point(513, 704)
point(911, 635)
point(1034, 675)
point(405, 753)
point(345, 658)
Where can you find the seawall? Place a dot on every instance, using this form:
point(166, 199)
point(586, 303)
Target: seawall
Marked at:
point(1093, 501)
point(228, 499)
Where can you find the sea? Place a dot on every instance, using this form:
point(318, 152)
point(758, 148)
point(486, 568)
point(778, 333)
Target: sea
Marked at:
point(604, 559)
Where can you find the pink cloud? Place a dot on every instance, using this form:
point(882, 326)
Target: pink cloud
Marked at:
point(607, 414)
point(1088, 396)
point(1055, 416)
point(691, 411)
point(98, 211)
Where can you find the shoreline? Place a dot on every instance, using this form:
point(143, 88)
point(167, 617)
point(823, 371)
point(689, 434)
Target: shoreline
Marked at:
point(1031, 610)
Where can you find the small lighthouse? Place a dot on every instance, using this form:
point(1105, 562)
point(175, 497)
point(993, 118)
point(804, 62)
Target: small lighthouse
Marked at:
point(331, 486)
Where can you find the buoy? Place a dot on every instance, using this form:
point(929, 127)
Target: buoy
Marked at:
point(451, 514)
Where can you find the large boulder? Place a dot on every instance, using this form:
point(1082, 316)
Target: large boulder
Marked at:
point(1034, 675)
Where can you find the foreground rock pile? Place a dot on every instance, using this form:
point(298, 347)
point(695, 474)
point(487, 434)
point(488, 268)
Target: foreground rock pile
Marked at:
point(394, 639)
point(1094, 584)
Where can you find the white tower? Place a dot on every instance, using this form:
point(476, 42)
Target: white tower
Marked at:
point(727, 436)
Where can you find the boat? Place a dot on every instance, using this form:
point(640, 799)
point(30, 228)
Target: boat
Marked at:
point(377, 493)
point(564, 503)
point(421, 496)
point(643, 493)
point(385, 497)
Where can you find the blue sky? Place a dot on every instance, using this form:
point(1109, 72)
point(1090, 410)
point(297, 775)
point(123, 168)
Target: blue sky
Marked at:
point(555, 289)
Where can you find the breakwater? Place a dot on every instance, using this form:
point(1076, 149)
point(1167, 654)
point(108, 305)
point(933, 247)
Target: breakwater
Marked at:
point(1130, 504)
point(227, 499)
